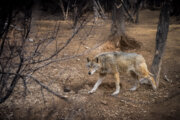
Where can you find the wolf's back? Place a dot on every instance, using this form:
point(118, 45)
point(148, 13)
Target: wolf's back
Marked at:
point(112, 56)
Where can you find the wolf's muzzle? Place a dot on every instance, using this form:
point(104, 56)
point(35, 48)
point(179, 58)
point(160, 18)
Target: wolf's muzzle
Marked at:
point(89, 73)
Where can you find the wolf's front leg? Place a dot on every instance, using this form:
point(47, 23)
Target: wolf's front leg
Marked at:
point(116, 75)
point(101, 78)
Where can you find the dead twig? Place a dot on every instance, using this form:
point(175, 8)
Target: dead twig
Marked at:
point(47, 88)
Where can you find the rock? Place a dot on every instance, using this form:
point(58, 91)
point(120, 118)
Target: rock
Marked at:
point(67, 89)
point(104, 102)
point(86, 47)
point(166, 78)
point(31, 40)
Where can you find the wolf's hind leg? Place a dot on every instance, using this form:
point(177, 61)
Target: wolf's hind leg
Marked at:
point(135, 87)
point(101, 78)
point(143, 71)
point(116, 75)
point(136, 77)
point(144, 81)
point(153, 82)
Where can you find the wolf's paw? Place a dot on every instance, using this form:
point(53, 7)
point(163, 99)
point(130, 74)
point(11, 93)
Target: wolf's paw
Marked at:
point(133, 88)
point(144, 81)
point(115, 93)
point(154, 87)
point(91, 91)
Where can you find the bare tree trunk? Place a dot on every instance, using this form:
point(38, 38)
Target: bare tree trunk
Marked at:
point(118, 25)
point(102, 10)
point(118, 35)
point(80, 8)
point(161, 36)
point(96, 11)
point(75, 15)
point(67, 10)
point(124, 3)
point(62, 8)
point(136, 12)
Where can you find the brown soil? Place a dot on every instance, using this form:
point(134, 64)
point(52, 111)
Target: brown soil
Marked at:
point(143, 104)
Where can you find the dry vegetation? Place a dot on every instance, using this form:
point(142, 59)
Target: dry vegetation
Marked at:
point(69, 77)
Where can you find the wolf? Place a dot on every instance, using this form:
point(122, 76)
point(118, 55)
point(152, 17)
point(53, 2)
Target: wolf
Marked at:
point(119, 63)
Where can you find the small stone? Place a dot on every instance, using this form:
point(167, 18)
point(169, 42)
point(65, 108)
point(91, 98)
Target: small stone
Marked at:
point(31, 40)
point(167, 79)
point(86, 47)
point(104, 102)
point(67, 89)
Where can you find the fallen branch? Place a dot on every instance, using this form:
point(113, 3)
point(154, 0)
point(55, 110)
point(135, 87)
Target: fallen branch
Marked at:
point(47, 88)
point(167, 79)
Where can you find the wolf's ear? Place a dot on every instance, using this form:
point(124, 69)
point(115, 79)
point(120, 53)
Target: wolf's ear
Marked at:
point(88, 59)
point(97, 59)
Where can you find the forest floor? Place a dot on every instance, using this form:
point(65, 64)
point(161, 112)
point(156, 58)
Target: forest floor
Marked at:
point(143, 104)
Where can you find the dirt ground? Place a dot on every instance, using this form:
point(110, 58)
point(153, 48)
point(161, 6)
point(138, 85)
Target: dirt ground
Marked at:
point(71, 74)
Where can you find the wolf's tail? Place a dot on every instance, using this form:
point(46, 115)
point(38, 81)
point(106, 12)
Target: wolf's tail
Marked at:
point(152, 75)
point(152, 80)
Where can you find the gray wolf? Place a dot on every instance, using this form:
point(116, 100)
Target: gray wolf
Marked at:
point(118, 63)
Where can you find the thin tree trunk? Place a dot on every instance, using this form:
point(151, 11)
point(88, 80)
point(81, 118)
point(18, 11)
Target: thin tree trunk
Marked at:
point(118, 35)
point(101, 9)
point(96, 11)
point(67, 10)
point(137, 10)
point(161, 37)
point(75, 15)
point(126, 10)
point(62, 8)
point(118, 25)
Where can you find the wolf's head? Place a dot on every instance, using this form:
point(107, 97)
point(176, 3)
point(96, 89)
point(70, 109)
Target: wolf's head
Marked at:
point(93, 65)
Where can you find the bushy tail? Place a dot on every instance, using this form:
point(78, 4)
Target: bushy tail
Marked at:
point(152, 80)
point(145, 72)
point(151, 74)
